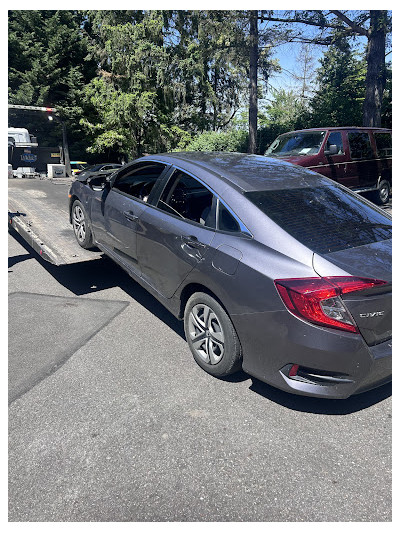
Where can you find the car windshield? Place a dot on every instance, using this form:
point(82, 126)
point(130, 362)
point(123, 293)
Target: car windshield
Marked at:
point(325, 218)
point(301, 143)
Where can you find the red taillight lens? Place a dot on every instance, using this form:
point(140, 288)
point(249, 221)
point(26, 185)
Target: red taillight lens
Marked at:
point(317, 300)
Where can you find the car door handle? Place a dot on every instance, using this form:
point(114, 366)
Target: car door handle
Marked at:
point(193, 241)
point(130, 216)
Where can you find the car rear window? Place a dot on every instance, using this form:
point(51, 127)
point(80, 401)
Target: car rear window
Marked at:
point(325, 219)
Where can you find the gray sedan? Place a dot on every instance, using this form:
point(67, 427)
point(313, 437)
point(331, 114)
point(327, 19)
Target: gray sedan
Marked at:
point(274, 269)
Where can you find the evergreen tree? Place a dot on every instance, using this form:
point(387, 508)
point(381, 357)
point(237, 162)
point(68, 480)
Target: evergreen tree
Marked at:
point(286, 110)
point(162, 77)
point(339, 98)
point(126, 101)
point(207, 70)
point(387, 99)
point(333, 26)
point(48, 66)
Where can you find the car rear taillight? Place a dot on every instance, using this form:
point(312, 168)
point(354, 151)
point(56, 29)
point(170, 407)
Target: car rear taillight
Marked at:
point(317, 300)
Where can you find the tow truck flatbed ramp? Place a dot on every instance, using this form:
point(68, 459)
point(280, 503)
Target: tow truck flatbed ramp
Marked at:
point(38, 211)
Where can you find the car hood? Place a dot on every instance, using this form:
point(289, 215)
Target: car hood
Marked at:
point(83, 176)
point(370, 261)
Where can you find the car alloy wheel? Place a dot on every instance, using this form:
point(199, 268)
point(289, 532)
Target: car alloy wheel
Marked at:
point(80, 225)
point(211, 336)
point(206, 334)
point(79, 222)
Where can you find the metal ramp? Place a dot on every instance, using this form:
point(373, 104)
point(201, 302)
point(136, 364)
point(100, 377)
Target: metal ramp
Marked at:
point(38, 211)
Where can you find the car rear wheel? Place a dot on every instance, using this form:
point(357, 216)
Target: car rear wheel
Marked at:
point(211, 336)
point(382, 194)
point(81, 226)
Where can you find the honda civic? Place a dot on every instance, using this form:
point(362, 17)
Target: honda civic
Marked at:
point(274, 269)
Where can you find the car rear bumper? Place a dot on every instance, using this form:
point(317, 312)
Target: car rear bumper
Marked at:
point(381, 368)
point(332, 364)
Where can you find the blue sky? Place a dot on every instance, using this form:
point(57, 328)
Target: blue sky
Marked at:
point(287, 55)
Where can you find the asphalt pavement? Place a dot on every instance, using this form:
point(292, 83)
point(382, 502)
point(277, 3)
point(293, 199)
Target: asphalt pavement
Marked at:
point(111, 420)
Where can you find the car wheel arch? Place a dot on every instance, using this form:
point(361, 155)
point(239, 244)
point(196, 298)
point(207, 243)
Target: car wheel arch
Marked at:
point(192, 288)
point(72, 199)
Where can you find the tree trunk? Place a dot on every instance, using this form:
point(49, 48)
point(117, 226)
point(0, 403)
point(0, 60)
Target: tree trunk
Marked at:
point(375, 80)
point(253, 103)
point(215, 110)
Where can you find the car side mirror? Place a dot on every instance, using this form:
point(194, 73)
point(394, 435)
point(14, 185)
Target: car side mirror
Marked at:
point(97, 183)
point(333, 150)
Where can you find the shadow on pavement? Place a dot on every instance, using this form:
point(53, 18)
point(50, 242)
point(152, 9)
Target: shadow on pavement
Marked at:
point(99, 274)
point(322, 406)
point(91, 276)
point(18, 259)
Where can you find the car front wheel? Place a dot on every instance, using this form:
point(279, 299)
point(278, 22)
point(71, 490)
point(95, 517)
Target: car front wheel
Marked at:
point(81, 226)
point(211, 336)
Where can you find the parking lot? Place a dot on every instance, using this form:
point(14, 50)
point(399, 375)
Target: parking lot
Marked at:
point(110, 419)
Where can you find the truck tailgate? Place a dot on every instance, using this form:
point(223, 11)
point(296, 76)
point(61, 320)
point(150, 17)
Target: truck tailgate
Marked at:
point(38, 211)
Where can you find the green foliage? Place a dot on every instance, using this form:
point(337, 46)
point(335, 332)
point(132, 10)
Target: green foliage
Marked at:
point(387, 100)
point(48, 66)
point(213, 141)
point(284, 110)
point(341, 88)
point(129, 82)
point(163, 77)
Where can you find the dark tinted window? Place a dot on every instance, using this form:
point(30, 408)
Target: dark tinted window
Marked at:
point(186, 197)
point(226, 221)
point(325, 219)
point(383, 144)
point(139, 181)
point(360, 145)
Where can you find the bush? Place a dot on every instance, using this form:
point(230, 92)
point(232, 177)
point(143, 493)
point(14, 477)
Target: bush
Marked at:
point(212, 141)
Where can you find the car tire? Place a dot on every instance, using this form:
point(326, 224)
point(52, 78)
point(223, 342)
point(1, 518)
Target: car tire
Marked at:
point(382, 194)
point(81, 226)
point(211, 336)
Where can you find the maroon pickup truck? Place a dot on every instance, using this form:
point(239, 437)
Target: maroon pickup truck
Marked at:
point(359, 158)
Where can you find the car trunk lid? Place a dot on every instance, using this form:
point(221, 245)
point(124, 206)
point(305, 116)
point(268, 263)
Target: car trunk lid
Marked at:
point(370, 308)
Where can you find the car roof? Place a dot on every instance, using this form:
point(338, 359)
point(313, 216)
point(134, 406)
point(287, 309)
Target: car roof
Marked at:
point(245, 172)
point(339, 128)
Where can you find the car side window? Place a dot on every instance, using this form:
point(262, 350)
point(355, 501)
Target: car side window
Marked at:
point(360, 145)
point(383, 144)
point(226, 221)
point(186, 197)
point(139, 181)
point(335, 137)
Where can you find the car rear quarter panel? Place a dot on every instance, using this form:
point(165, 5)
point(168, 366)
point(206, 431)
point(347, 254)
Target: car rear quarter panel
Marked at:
point(241, 271)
